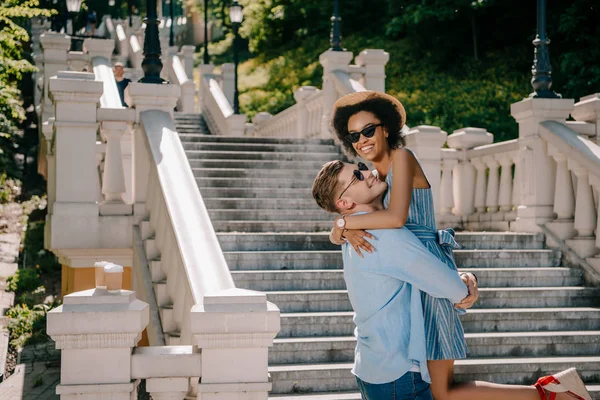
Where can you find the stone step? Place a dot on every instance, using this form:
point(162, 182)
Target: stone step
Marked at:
point(281, 194)
point(320, 240)
point(270, 183)
point(328, 279)
point(304, 378)
point(259, 203)
point(255, 174)
point(230, 139)
point(261, 147)
point(256, 164)
point(340, 323)
point(273, 226)
point(256, 155)
point(233, 216)
point(527, 297)
point(331, 259)
point(505, 344)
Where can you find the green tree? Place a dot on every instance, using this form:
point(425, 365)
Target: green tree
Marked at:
point(14, 64)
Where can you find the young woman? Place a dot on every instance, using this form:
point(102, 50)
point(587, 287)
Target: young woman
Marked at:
point(369, 124)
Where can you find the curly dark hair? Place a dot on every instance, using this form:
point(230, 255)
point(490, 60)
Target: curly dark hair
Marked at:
point(383, 109)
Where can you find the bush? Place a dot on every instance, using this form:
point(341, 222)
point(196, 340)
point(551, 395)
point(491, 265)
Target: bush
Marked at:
point(24, 280)
point(34, 253)
point(27, 325)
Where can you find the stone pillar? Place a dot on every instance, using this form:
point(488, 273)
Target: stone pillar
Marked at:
point(588, 110)
point(464, 172)
point(203, 70)
point(116, 124)
point(99, 48)
point(427, 141)
point(75, 95)
point(300, 96)
point(331, 61)
point(187, 53)
point(56, 48)
point(147, 96)
point(374, 62)
point(96, 332)
point(446, 190)
point(234, 328)
point(537, 180)
point(564, 200)
point(228, 72)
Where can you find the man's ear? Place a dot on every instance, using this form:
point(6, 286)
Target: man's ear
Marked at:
point(343, 204)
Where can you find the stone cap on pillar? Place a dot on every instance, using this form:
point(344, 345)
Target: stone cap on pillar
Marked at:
point(468, 138)
point(95, 318)
point(335, 60)
point(549, 109)
point(372, 57)
point(234, 318)
point(424, 136)
point(587, 109)
point(154, 96)
point(55, 41)
point(99, 47)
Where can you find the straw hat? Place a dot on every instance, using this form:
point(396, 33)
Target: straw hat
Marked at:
point(358, 97)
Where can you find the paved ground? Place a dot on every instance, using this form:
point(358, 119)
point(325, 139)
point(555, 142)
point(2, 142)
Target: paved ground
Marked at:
point(36, 376)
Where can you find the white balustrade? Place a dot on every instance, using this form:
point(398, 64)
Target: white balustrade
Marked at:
point(447, 193)
point(179, 76)
point(217, 110)
point(480, 185)
point(491, 197)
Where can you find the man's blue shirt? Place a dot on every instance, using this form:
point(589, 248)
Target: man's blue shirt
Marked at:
point(384, 289)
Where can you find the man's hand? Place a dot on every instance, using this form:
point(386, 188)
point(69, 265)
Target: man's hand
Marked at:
point(358, 240)
point(471, 282)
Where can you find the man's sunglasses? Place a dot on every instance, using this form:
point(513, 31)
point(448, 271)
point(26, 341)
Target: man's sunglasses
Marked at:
point(368, 132)
point(357, 175)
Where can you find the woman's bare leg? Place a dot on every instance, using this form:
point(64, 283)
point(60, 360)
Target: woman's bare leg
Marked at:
point(443, 387)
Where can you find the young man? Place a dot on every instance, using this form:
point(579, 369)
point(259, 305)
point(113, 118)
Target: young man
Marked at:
point(384, 289)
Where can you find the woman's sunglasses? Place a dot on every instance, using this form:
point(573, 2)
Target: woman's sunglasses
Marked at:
point(368, 132)
point(357, 175)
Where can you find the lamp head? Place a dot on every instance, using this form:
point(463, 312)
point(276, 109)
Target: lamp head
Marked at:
point(73, 5)
point(235, 12)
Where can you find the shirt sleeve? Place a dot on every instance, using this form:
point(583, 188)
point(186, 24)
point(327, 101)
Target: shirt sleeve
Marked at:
point(401, 255)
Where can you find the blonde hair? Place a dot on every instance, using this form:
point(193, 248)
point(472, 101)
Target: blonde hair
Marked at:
point(325, 185)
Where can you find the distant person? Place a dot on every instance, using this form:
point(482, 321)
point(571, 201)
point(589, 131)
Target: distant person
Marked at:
point(92, 24)
point(122, 82)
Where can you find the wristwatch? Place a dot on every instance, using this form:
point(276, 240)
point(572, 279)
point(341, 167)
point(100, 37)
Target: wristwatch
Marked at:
point(341, 222)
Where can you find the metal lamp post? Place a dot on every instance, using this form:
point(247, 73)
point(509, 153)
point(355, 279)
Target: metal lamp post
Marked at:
point(130, 12)
point(73, 7)
point(205, 58)
point(236, 15)
point(541, 68)
point(172, 27)
point(152, 65)
point(335, 38)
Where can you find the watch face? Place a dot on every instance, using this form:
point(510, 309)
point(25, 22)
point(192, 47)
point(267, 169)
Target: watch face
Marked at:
point(341, 223)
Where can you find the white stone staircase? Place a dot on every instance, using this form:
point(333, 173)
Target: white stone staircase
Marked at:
point(534, 316)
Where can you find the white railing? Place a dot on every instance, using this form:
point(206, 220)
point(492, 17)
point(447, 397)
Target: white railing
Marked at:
point(181, 246)
point(179, 76)
point(135, 52)
point(309, 117)
point(217, 110)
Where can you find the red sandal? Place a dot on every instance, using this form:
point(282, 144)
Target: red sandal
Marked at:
point(567, 381)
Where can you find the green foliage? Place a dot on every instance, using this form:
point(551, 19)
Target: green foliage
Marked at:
point(14, 15)
point(27, 325)
point(24, 280)
point(34, 253)
point(9, 189)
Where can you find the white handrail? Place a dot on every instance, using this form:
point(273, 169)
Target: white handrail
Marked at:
point(203, 261)
point(344, 84)
point(103, 72)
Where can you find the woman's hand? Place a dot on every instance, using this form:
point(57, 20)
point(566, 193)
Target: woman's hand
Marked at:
point(471, 281)
point(358, 240)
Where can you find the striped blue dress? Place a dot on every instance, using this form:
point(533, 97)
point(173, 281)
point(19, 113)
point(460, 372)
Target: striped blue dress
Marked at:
point(445, 337)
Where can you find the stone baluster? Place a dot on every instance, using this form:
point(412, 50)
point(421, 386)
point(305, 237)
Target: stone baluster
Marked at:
point(100, 152)
point(187, 53)
point(564, 200)
point(464, 173)
point(300, 96)
point(588, 110)
point(505, 200)
point(96, 332)
point(234, 328)
point(115, 125)
point(228, 73)
point(584, 243)
point(427, 141)
point(203, 70)
point(516, 191)
point(446, 190)
point(537, 178)
point(480, 190)
point(491, 196)
point(374, 61)
point(331, 61)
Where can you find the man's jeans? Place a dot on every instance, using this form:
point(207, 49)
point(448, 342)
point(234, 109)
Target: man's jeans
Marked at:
point(409, 386)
